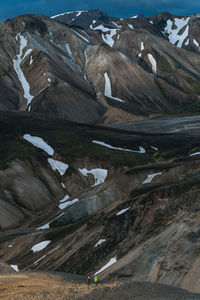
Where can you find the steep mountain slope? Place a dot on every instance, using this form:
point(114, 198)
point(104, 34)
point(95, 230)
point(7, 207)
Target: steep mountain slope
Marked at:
point(181, 31)
point(120, 200)
point(118, 71)
point(91, 196)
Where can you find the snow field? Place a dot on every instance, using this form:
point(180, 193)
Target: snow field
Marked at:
point(173, 34)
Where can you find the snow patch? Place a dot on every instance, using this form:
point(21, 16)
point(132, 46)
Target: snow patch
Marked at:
point(130, 26)
point(39, 143)
point(111, 262)
point(187, 42)
point(122, 211)
point(31, 60)
point(69, 51)
point(63, 185)
point(40, 246)
point(46, 226)
point(15, 267)
point(196, 153)
point(150, 177)
point(107, 34)
point(86, 40)
point(68, 203)
point(70, 12)
point(58, 165)
point(154, 148)
point(118, 26)
point(196, 43)
point(100, 242)
point(142, 150)
point(99, 174)
point(108, 92)
point(65, 198)
point(153, 63)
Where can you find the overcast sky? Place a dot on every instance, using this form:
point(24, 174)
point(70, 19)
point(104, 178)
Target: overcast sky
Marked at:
point(118, 8)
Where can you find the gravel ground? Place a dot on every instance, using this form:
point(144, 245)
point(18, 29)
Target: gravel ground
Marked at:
point(51, 286)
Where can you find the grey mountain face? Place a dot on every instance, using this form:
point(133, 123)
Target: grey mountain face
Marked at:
point(103, 70)
point(78, 196)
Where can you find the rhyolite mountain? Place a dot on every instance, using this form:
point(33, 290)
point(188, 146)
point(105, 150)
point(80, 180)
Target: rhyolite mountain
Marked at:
point(98, 69)
point(84, 188)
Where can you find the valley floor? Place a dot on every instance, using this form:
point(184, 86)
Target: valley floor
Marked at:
point(49, 286)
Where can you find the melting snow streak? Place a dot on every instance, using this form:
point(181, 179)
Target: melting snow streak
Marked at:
point(108, 92)
point(142, 150)
point(150, 177)
point(153, 63)
point(18, 70)
point(111, 262)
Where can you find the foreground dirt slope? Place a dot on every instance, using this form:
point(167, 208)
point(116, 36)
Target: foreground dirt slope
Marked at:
point(48, 286)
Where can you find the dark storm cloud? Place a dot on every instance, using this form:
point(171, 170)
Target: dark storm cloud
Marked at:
point(120, 8)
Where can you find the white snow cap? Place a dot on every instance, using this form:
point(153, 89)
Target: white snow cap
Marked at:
point(40, 246)
point(39, 143)
point(68, 203)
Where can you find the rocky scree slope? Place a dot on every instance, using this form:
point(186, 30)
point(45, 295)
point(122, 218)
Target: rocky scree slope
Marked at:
point(83, 199)
point(95, 69)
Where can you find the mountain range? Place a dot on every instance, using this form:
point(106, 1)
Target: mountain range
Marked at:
point(99, 147)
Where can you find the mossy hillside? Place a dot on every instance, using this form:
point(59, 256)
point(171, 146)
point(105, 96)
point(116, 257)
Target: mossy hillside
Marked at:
point(67, 138)
point(194, 85)
point(163, 64)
